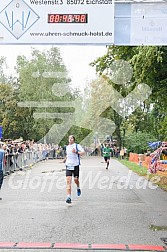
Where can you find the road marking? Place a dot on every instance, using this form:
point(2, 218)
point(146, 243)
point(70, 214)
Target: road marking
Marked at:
point(120, 247)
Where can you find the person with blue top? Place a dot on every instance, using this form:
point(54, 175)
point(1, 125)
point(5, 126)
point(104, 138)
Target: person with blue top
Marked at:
point(72, 162)
point(2, 155)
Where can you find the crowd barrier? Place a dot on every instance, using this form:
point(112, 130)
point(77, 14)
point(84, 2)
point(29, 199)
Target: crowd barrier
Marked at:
point(144, 160)
point(18, 161)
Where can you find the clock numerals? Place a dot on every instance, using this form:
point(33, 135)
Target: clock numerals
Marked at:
point(67, 18)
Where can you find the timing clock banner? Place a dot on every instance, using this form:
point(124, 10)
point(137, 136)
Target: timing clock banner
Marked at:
point(57, 22)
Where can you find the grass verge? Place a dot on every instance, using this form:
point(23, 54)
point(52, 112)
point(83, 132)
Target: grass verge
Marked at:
point(142, 171)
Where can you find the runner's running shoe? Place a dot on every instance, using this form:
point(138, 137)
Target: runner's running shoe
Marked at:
point(78, 192)
point(68, 200)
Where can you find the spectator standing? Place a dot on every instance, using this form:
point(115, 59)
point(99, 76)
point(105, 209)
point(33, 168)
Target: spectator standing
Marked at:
point(2, 155)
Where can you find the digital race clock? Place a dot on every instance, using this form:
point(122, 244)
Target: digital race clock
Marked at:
point(68, 18)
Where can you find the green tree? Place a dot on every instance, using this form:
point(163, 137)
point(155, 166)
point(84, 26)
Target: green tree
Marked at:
point(149, 66)
point(138, 142)
point(43, 80)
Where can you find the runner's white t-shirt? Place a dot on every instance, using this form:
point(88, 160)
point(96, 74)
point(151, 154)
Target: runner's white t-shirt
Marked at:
point(72, 158)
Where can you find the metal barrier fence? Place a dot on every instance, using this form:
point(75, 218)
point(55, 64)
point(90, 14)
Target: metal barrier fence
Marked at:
point(18, 161)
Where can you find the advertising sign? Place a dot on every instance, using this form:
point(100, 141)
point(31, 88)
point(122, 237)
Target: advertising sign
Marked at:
point(57, 22)
point(140, 23)
point(148, 24)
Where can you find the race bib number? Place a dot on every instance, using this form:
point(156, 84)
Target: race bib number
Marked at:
point(71, 168)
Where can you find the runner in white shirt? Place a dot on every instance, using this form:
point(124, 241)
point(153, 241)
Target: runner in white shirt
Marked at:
point(73, 153)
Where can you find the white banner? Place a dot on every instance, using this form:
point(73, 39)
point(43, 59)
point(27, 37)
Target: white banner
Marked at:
point(148, 24)
point(57, 22)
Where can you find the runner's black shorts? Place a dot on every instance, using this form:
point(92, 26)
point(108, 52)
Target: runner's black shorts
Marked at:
point(1, 178)
point(74, 172)
point(106, 158)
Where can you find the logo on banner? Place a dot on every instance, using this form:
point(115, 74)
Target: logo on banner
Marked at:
point(17, 17)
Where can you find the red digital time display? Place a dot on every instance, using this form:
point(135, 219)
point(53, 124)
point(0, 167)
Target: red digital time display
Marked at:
point(68, 18)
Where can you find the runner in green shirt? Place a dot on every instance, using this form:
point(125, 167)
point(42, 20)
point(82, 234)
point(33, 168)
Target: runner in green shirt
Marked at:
point(107, 154)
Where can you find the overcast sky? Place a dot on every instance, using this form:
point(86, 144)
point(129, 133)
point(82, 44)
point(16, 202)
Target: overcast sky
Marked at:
point(76, 59)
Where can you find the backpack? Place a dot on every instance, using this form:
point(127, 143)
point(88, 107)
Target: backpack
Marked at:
point(78, 154)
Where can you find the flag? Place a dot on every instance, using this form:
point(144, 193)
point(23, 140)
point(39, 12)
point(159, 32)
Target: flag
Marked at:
point(154, 145)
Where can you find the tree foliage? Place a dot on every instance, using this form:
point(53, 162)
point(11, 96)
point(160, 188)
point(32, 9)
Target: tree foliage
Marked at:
point(43, 77)
point(149, 64)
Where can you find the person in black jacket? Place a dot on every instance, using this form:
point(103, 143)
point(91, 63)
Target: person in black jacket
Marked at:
point(2, 155)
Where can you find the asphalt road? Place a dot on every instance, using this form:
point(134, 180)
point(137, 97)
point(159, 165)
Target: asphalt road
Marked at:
point(116, 206)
